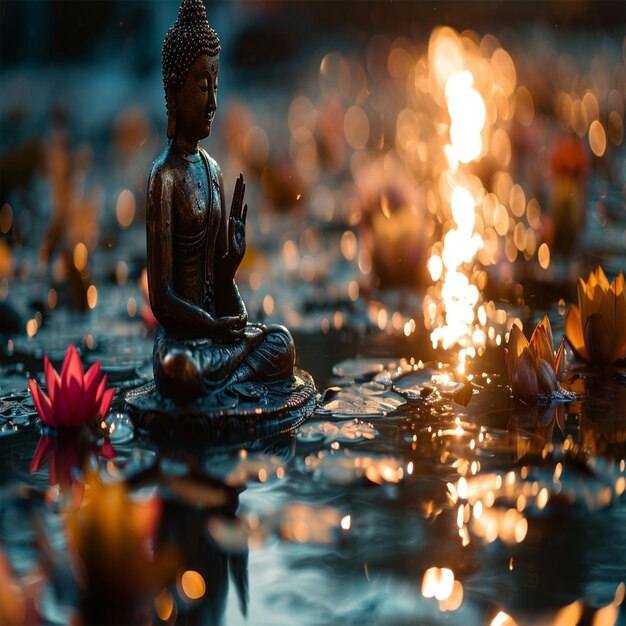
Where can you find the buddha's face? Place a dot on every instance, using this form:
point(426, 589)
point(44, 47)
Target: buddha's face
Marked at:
point(196, 100)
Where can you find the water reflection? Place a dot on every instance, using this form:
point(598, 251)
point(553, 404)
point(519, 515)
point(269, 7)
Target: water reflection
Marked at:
point(478, 499)
point(206, 571)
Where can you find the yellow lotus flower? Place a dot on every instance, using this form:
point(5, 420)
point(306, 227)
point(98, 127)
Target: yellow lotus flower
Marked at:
point(596, 328)
point(533, 367)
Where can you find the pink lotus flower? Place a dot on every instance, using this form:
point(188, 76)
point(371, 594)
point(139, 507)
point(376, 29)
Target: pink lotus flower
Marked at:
point(533, 367)
point(75, 398)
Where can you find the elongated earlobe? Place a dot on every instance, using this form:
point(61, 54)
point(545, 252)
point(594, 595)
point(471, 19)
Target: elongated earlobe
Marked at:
point(171, 106)
point(171, 122)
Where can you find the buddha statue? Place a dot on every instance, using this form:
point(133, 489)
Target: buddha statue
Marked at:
point(204, 341)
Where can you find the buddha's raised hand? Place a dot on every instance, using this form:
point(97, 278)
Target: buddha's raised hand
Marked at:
point(237, 228)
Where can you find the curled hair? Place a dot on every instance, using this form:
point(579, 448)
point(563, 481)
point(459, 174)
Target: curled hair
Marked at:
point(188, 38)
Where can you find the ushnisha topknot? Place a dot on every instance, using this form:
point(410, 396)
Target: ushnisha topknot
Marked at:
point(188, 38)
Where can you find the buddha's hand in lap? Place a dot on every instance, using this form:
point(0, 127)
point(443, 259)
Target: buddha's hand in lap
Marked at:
point(234, 326)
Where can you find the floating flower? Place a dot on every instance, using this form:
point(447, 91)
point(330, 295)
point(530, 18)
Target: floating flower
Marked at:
point(74, 398)
point(533, 367)
point(596, 328)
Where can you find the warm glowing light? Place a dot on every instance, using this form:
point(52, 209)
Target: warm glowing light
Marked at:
point(346, 522)
point(125, 208)
point(475, 101)
point(121, 272)
point(597, 138)
point(435, 267)
point(52, 299)
point(438, 583)
point(521, 529)
point(503, 619)
point(356, 127)
point(467, 114)
point(542, 498)
point(454, 600)
point(81, 255)
point(164, 605)
point(353, 290)
point(349, 245)
point(268, 305)
point(192, 585)
point(462, 205)
point(291, 256)
point(544, 256)
point(446, 584)
point(92, 296)
point(31, 327)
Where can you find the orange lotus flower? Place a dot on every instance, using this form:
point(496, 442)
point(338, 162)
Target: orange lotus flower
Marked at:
point(596, 328)
point(74, 398)
point(533, 367)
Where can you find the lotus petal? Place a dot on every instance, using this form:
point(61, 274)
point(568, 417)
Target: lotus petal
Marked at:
point(559, 416)
point(541, 343)
point(592, 281)
point(52, 378)
point(560, 361)
point(574, 333)
point(34, 387)
point(594, 306)
point(545, 322)
point(92, 375)
point(73, 395)
point(546, 377)
point(42, 404)
point(524, 375)
point(597, 340)
point(601, 278)
point(72, 367)
point(88, 406)
point(619, 289)
point(608, 307)
point(100, 390)
point(61, 406)
point(517, 343)
point(45, 448)
point(107, 398)
point(582, 300)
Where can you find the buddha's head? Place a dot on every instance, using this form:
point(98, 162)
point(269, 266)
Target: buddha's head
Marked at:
point(190, 64)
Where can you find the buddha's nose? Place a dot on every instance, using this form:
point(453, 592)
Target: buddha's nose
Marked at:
point(212, 104)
